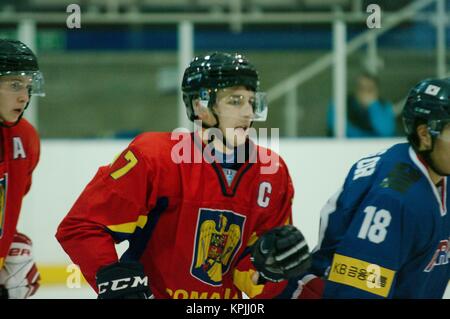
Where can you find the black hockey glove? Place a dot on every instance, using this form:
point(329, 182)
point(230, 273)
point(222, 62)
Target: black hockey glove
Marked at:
point(281, 253)
point(123, 280)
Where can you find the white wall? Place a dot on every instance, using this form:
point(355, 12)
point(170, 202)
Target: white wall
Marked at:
point(317, 167)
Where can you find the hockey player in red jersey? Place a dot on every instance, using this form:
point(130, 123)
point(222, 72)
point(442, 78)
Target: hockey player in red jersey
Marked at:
point(20, 78)
point(192, 205)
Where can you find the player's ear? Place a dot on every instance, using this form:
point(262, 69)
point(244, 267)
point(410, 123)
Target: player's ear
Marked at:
point(424, 137)
point(199, 109)
point(203, 113)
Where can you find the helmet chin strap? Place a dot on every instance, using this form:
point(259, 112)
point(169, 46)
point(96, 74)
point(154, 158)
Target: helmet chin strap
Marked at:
point(224, 139)
point(211, 103)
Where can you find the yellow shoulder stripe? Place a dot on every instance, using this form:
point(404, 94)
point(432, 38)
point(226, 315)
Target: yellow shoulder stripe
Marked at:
point(129, 228)
point(361, 275)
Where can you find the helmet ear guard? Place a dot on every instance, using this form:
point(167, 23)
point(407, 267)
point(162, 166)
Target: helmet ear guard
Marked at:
point(205, 98)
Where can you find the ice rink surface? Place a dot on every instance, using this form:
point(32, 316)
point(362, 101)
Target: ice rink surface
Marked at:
point(62, 292)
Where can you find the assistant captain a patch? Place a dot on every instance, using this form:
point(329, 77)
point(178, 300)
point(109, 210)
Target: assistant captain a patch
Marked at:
point(217, 239)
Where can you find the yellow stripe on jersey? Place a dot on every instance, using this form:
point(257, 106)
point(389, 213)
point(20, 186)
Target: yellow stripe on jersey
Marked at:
point(243, 281)
point(129, 228)
point(1, 262)
point(361, 274)
point(252, 240)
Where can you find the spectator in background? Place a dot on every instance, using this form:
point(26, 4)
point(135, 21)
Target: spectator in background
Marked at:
point(368, 115)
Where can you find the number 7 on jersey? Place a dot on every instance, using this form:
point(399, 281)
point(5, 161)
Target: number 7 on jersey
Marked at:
point(132, 161)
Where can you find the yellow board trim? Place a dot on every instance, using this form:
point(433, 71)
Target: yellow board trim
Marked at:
point(56, 274)
point(129, 228)
point(361, 275)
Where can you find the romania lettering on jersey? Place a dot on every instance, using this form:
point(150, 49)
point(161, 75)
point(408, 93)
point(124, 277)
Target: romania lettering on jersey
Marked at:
point(192, 294)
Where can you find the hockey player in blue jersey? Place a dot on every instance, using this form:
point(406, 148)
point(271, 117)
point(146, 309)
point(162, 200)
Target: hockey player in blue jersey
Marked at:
point(386, 232)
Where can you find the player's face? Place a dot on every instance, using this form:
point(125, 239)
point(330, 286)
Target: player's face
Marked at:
point(13, 96)
point(441, 151)
point(234, 108)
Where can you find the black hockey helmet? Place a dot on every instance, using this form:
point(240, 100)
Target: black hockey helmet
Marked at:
point(17, 59)
point(428, 103)
point(208, 73)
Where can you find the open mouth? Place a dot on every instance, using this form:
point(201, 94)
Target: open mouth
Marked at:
point(242, 127)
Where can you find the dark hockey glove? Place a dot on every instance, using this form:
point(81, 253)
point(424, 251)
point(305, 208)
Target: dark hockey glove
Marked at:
point(123, 280)
point(281, 253)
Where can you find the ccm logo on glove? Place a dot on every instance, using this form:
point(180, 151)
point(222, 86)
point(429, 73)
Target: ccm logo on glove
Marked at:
point(122, 283)
point(123, 280)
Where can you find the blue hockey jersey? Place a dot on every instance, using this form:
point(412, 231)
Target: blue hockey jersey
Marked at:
point(385, 233)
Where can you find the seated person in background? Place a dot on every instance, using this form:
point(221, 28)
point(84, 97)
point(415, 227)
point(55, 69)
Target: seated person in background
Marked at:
point(368, 115)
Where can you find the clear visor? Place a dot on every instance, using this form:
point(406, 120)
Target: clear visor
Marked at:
point(257, 101)
point(260, 107)
point(442, 129)
point(33, 81)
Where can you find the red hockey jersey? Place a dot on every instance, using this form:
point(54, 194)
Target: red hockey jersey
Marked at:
point(19, 155)
point(188, 226)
